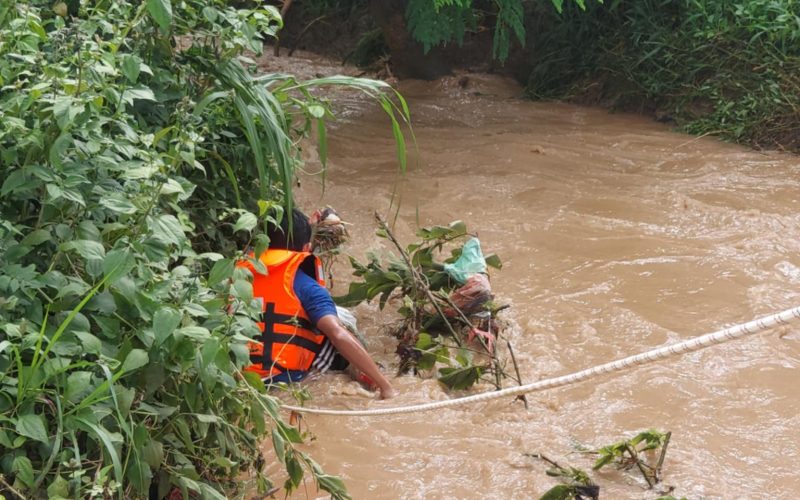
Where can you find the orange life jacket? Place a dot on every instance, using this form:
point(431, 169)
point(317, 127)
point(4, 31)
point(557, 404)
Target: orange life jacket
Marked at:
point(289, 341)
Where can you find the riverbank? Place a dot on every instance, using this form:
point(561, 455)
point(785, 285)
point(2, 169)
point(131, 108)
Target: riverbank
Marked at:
point(709, 68)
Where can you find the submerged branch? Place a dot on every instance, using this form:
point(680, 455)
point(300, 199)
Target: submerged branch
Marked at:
point(418, 280)
point(657, 472)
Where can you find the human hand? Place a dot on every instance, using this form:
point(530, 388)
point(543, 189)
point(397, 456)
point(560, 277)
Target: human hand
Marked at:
point(388, 392)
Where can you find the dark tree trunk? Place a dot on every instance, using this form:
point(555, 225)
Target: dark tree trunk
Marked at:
point(408, 58)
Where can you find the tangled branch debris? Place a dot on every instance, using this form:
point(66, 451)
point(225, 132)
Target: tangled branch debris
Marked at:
point(449, 320)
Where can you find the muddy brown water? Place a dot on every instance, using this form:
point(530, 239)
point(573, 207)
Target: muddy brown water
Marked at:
point(617, 236)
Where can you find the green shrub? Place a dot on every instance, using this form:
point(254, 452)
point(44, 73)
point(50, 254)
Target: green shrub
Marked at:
point(137, 157)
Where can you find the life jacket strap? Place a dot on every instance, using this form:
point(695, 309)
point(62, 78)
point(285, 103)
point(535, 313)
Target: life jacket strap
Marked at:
point(269, 336)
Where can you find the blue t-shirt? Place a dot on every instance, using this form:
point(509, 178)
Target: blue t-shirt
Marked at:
point(314, 298)
point(316, 302)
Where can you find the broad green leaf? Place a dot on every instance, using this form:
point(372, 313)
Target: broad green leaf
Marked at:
point(88, 230)
point(135, 359)
point(183, 432)
point(5, 405)
point(207, 491)
point(212, 256)
point(459, 378)
point(224, 462)
point(279, 444)
point(156, 250)
point(125, 397)
point(131, 67)
point(210, 14)
point(158, 136)
point(168, 229)
point(223, 269)
point(58, 150)
point(37, 28)
point(79, 384)
point(103, 303)
point(59, 488)
point(161, 12)
point(195, 310)
point(289, 433)
point(65, 110)
point(559, 492)
point(165, 321)
point(87, 249)
point(246, 222)
point(195, 332)
point(424, 341)
point(457, 227)
point(209, 351)
point(208, 419)
point(140, 171)
point(243, 289)
point(32, 426)
point(604, 460)
point(494, 261)
point(255, 381)
point(15, 180)
point(36, 238)
point(6, 441)
point(332, 484)
point(116, 203)
point(118, 263)
point(294, 469)
point(23, 468)
point(172, 187)
point(139, 474)
point(90, 343)
point(153, 453)
point(141, 93)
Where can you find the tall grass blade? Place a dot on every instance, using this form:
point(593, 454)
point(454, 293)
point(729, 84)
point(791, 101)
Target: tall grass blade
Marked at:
point(107, 441)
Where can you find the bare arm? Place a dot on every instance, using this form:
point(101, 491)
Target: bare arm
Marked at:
point(354, 352)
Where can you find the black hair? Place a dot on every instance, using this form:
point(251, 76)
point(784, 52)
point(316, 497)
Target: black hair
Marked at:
point(281, 238)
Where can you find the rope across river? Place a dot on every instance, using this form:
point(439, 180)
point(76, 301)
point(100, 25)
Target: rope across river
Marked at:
point(693, 344)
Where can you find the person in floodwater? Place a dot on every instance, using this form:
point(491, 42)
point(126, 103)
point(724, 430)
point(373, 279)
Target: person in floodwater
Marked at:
point(301, 331)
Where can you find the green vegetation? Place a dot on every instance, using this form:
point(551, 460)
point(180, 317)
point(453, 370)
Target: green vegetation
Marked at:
point(440, 315)
point(730, 69)
point(575, 483)
point(624, 454)
point(726, 68)
point(627, 453)
point(136, 152)
point(438, 22)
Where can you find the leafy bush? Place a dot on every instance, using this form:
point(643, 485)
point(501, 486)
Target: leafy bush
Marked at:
point(135, 148)
point(438, 22)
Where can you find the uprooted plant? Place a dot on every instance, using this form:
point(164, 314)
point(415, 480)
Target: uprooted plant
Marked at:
point(449, 320)
point(628, 453)
point(575, 483)
point(638, 451)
